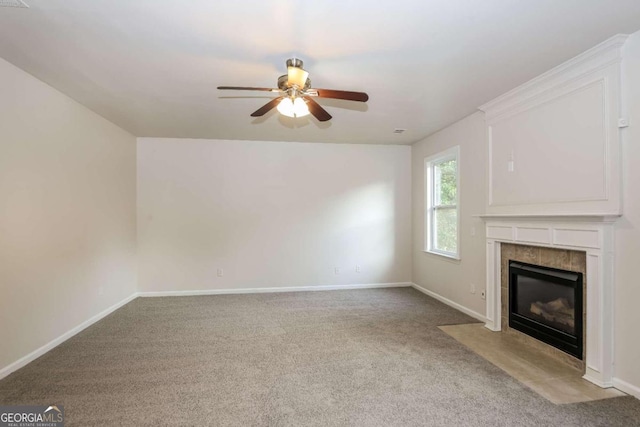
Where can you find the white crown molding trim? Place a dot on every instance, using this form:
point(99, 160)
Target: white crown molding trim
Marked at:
point(450, 303)
point(9, 369)
point(232, 291)
point(581, 217)
point(599, 56)
point(626, 387)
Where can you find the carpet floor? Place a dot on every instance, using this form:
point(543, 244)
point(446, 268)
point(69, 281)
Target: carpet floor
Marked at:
point(336, 358)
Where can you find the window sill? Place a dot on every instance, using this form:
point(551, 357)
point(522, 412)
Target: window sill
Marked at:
point(443, 255)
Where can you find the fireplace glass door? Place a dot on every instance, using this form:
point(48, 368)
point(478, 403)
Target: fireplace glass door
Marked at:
point(546, 303)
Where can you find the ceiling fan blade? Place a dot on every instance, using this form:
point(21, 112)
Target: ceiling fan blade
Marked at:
point(342, 94)
point(317, 111)
point(266, 107)
point(264, 89)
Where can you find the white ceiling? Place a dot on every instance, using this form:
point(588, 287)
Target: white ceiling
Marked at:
point(152, 66)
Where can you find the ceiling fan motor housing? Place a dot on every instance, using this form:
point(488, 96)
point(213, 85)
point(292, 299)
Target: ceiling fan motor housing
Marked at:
point(283, 83)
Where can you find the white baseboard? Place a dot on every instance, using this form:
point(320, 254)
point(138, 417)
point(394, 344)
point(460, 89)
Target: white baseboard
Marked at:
point(62, 338)
point(626, 387)
point(271, 290)
point(450, 303)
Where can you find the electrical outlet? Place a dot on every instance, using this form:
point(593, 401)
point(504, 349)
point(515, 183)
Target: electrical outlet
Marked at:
point(220, 272)
point(472, 288)
point(358, 269)
point(337, 270)
point(483, 294)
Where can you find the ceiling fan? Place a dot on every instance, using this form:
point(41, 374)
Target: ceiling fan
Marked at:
point(296, 99)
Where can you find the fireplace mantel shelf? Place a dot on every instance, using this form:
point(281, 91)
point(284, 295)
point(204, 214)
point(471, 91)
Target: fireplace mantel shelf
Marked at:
point(587, 217)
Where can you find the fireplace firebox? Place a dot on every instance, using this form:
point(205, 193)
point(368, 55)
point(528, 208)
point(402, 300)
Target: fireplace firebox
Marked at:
point(546, 303)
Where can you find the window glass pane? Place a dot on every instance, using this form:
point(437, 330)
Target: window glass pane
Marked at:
point(445, 231)
point(445, 183)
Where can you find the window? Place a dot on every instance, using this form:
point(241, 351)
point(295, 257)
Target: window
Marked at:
point(442, 211)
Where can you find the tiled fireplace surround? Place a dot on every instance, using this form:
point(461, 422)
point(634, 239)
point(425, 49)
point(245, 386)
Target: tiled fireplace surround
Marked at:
point(578, 243)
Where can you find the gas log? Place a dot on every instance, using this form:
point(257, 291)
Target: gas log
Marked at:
point(558, 311)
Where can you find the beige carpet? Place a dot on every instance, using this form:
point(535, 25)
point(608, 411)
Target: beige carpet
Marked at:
point(364, 358)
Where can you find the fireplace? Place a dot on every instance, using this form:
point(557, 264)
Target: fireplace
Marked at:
point(574, 243)
point(546, 303)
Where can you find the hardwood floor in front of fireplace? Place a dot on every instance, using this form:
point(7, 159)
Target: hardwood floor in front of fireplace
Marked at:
point(544, 374)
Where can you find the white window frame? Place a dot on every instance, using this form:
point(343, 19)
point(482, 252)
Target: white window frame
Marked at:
point(429, 182)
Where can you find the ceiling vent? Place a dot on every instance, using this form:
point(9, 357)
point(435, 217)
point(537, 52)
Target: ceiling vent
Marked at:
point(398, 130)
point(13, 3)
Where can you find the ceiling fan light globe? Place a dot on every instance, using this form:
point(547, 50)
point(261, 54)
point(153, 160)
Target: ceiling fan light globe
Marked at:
point(300, 108)
point(285, 107)
point(293, 108)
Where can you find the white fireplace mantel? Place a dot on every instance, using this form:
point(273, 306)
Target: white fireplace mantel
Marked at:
point(592, 234)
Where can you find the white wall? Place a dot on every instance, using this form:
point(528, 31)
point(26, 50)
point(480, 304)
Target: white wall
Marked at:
point(271, 214)
point(67, 214)
point(627, 274)
point(448, 278)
